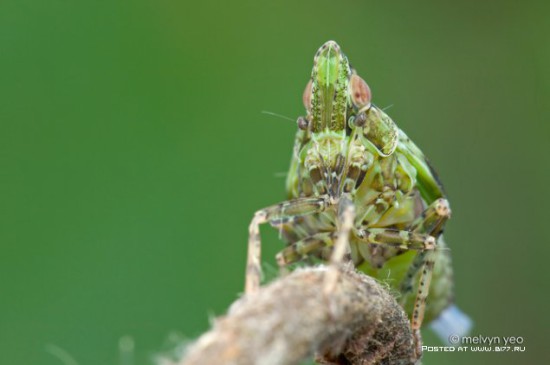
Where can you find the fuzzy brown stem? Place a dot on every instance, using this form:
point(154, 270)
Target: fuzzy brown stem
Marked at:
point(292, 319)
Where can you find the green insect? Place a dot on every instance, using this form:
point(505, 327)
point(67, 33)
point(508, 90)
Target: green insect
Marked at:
point(359, 189)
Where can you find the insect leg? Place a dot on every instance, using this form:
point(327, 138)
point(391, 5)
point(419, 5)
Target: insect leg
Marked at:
point(291, 208)
point(390, 237)
point(431, 222)
point(346, 218)
point(304, 247)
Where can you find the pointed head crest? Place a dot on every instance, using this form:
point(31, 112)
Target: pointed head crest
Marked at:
point(333, 88)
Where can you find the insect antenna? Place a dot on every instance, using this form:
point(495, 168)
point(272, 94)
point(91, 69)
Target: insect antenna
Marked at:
point(277, 115)
point(280, 175)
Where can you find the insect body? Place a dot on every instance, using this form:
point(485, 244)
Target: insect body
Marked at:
point(359, 189)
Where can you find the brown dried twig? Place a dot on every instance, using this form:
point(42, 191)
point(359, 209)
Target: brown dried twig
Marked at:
point(292, 319)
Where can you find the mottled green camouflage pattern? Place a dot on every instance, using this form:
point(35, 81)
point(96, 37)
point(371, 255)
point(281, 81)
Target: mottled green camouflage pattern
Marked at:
point(388, 178)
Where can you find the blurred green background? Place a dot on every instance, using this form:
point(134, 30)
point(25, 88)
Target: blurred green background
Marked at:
point(133, 153)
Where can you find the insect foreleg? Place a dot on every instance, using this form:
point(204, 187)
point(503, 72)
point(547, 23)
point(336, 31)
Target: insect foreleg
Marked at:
point(346, 218)
point(287, 209)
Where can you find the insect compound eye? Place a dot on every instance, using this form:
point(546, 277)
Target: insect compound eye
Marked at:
point(302, 123)
point(307, 96)
point(360, 119)
point(360, 92)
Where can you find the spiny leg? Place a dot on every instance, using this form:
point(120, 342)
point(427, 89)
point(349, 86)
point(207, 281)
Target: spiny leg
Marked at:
point(287, 209)
point(425, 244)
point(431, 222)
point(406, 240)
